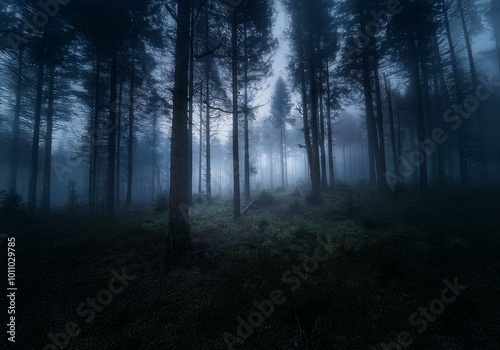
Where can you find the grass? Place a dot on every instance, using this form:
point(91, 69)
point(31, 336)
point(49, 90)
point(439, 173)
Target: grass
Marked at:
point(391, 258)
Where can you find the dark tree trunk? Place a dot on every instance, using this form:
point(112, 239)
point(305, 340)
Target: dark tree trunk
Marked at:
point(110, 204)
point(315, 170)
point(130, 139)
point(462, 147)
point(48, 142)
point(200, 149)
point(391, 123)
point(246, 166)
point(178, 239)
point(208, 166)
point(36, 138)
point(94, 140)
point(495, 12)
point(370, 122)
point(236, 156)
point(329, 129)
point(15, 124)
point(478, 120)
point(190, 108)
point(118, 142)
point(417, 60)
point(324, 182)
point(381, 164)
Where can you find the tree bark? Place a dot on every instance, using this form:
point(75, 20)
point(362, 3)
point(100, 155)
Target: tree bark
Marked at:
point(118, 142)
point(130, 139)
point(15, 124)
point(36, 137)
point(236, 157)
point(110, 204)
point(329, 129)
point(178, 239)
point(48, 142)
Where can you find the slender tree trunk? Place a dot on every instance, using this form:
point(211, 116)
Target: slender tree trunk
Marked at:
point(246, 126)
point(130, 140)
point(315, 171)
point(200, 149)
point(462, 147)
point(329, 128)
point(324, 182)
point(443, 102)
point(190, 115)
point(208, 169)
point(391, 122)
point(178, 239)
point(420, 110)
point(495, 12)
point(236, 156)
point(478, 120)
point(94, 139)
point(15, 124)
point(110, 205)
point(381, 165)
point(370, 122)
point(118, 142)
point(155, 174)
point(48, 142)
point(305, 118)
point(36, 138)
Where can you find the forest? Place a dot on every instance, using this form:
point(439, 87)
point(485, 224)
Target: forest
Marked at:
point(250, 174)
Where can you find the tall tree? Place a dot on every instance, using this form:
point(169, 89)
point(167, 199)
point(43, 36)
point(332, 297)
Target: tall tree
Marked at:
point(178, 239)
point(281, 106)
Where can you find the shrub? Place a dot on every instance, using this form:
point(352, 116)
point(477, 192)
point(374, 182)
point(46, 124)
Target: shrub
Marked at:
point(72, 195)
point(296, 193)
point(295, 206)
point(11, 205)
point(265, 198)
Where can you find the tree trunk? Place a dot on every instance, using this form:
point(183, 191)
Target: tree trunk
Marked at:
point(118, 142)
point(478, 120)
point(15, 125)
point(462, 147)
point(324, 182)
point(329, 128)
point(315, 170)
point(94, 139)
point(236, 156)
point(190, 115)
point(200, 149)
point(130, 139)
point(36, 137)
point(48, 142)
point(417, 60)
point(381, 165)
point(391, 122)
point(495, 12)
point(110, 205)
point(245, 127)
point(370, 122)
point(178, 239)
point(208, 169)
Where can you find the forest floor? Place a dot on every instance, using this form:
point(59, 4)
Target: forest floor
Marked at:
point(388, 259)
